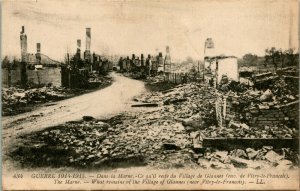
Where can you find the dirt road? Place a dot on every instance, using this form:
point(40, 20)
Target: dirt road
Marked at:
point(102, 103)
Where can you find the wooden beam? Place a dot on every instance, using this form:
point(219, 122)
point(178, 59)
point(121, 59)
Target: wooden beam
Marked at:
point(145, 105)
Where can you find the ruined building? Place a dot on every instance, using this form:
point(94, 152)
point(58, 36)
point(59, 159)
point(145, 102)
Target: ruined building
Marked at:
point(87, 52)
point(167, 61)
point(76, 72)
point(224, 66)
point(215, 67)
point(160, 62)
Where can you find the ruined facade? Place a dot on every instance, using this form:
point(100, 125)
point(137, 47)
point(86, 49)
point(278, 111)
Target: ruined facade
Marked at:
point(167, 61)
point(87, 52)
point(23, 40)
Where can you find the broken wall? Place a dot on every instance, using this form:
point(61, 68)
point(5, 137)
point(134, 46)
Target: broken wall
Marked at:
point(228, 67)
point(286, 114)
point(46, 75)
point(229, 108)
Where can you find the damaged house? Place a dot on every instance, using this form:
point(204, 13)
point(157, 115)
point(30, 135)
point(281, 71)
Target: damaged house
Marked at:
point(218, 67)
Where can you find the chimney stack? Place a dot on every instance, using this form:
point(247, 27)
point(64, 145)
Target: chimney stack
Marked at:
point(38, 52)
point(79, 44)
point(142, 60)
point(209, 48)
point(87, 52)
point(78, 48)
point(167, 50)
point(23, 40)
point(88, 39)
point(38, 47)
point(23, 30)
point(167, 62)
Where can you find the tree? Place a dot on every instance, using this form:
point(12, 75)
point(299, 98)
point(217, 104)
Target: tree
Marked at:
point(5, 62)
point(193, 69)
point(273, 56)
point(189, 59)
point(290, 56)
point(250, 59)
point(282, 57)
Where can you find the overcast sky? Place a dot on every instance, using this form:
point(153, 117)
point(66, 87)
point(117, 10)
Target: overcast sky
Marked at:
point(125, 27)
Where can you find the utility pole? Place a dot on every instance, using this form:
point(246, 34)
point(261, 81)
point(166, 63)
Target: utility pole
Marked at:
point(9, 73)
point(204, 60)
point(38, 58)
point(69, 69)
point(23, 41)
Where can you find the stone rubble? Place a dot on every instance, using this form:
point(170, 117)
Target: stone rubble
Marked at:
point(164, 137)
point(13, 98)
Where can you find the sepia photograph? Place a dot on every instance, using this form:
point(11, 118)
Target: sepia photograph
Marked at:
point(150, 95)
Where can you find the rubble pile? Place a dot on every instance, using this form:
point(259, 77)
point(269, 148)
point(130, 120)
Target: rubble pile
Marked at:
point(95, 78)
point(265, 79)
point(136, 75)
point(164, 136)
point(263, 158)
point(189, 103)
point(288, 71)
point(226, 86)
point(155, 79)
point(156, 135)
point(284, 91)
point(278, 92)
point(191, 92)
point(252, 114)
point(13, 98)
point(96, 142)
point(83, 139)
point(243, 103)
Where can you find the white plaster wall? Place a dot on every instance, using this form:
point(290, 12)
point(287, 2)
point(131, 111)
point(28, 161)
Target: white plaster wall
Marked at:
point(229, 67)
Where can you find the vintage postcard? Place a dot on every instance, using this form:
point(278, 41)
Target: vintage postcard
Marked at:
point(150, 95)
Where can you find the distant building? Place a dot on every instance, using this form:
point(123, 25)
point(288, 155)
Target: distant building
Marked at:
point(154, 65)
point(160, 62)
